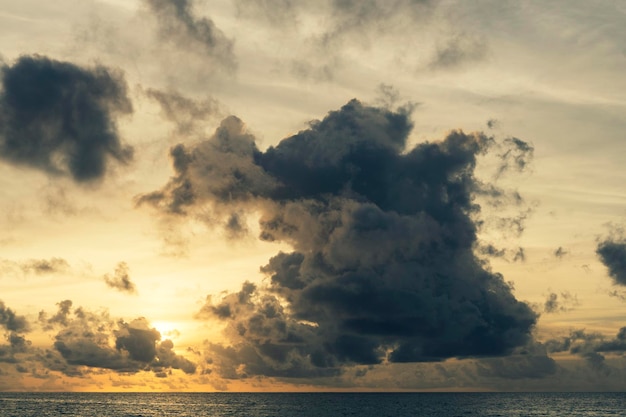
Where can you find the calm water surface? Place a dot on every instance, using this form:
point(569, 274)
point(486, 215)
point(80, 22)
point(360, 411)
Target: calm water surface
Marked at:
point(329, 404)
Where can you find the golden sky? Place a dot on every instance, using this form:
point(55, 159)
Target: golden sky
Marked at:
point(292, 195)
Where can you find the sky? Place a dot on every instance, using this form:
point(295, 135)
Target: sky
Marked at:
point(283, 195)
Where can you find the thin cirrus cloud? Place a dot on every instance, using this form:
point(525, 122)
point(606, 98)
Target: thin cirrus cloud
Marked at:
point(178, 25)
point(186, 113)
point(383, 266)
point(52, 265)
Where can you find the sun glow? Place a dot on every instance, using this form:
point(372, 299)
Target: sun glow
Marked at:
point(168, 329)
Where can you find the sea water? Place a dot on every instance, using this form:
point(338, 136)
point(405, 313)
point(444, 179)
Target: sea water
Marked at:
point(312, 404)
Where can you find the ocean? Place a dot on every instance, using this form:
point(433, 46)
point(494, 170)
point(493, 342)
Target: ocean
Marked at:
point(311, 404)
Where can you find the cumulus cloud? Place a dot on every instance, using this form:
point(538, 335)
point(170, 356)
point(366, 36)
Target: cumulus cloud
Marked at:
point(179, 26)
point(593, 347)
point(60, 118)
point(383, 265)
point(87, 340)
point(121, 279)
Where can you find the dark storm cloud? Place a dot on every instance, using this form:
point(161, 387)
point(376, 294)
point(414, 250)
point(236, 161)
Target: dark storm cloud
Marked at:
point(383, 264)
point(179, 26)
point(94, 340)
point(121, 279)
point(183, 111)
point(60, 118)
point(612, 253)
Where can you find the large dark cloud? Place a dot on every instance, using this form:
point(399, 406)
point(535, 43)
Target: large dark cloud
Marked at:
point(60, 118)
point(178, 25)
point(612, 253)
point(383, 264)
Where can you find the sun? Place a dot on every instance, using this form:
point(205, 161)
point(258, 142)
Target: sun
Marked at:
point(167, 329)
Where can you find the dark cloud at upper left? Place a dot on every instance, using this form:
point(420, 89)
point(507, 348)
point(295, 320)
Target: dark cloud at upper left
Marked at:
point(60, 118)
